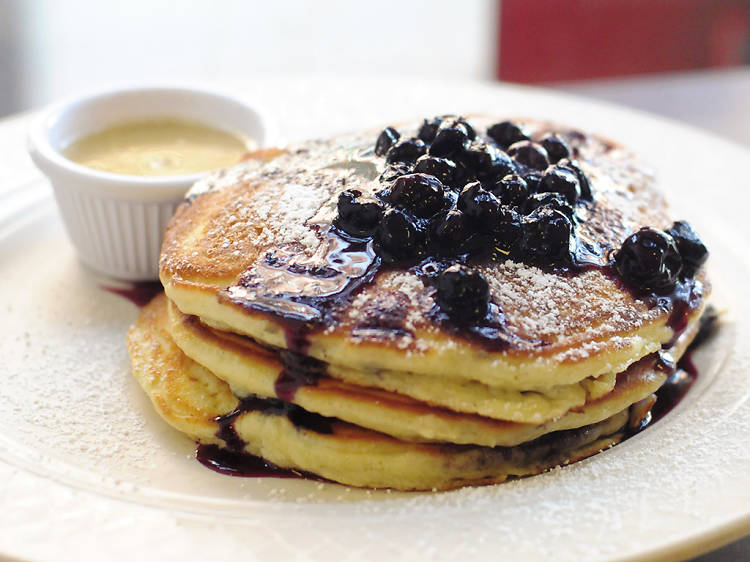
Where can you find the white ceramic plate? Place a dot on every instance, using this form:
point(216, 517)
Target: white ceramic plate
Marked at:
point(87, 469)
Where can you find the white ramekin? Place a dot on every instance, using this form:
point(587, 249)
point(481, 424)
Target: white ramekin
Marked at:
point(116, 221)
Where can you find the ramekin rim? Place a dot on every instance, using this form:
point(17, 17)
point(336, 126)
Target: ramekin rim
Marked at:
point(50, 160)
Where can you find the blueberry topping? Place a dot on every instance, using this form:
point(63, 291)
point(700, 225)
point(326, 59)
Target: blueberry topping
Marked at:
point(583, 181)
point(452, 138)
point(406, 151)
point(506, 133)
point(529, 154)
point(420, 195)
point(562, 181)
point(470, 132)
point(393, 171)
point(650, 260)
point(358, 216)
point(488, 162)
point(451, 233)
point(556, 147)
point(532, 179)
point(692, 250)
point(553, 201)
point(507, 229)
point(443, 169)
point(446, 193)
point(462, 293)
point(512, 190)
point(386, 140)
point(464, 174)
point(480, 206)
point(547, 237)
point(398, 237)
point(429, 129)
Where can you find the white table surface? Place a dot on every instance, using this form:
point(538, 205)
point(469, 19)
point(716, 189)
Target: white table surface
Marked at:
point(716, 101)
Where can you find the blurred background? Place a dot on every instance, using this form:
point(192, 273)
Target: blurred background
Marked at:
point(637, 52)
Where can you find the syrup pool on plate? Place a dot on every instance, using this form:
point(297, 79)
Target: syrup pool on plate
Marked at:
point(159, 147)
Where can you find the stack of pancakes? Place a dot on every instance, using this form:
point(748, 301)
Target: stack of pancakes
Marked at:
point(273, 339)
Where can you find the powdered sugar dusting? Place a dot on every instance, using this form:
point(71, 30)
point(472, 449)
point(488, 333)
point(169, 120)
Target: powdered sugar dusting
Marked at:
point(555, 308)
point(392, 309)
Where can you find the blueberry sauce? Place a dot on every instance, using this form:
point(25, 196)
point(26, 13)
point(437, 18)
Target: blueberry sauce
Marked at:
point(682, 374)
point(299, 370)
point(140, 294)
point(302, 419)
point(301, 293)
point(233, 463)
point(680, 302)
point(674, 389)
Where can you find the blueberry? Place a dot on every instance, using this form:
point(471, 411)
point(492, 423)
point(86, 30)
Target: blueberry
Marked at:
point(506, 133)
point(562, 181)
point(512, 190)
point(358, 215)
point(443, 169)
point(398, 237)
point(529, 154)
point(507, 230)
point(583, 180)
point(547, 237)
point(692, 250)
point(405, 151)
point(452, 138)
point(470, 132)
point(393, 171)
point(420, 195)
point(386, 140)
point(650, 260)
point(480, 206)
point(451, 233)
point(549, 201)
point(462, 293)
point(429, 129)
point(556, 147)
point(487, 161)
point(532, 179)
point(464, 175)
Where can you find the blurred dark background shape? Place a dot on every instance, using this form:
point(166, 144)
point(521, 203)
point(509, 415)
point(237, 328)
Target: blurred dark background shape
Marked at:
point(543, 41)
point(684, 59)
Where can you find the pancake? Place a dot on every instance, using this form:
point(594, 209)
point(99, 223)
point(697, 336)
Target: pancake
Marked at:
point(558, 330)
point(192, 399)
point(494, 309)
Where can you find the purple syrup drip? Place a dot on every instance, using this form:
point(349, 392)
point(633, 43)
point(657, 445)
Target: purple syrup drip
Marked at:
point(140, 294)
point(299, 370)
point(240, 464)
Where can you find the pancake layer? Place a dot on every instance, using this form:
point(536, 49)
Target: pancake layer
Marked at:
point(251, 370)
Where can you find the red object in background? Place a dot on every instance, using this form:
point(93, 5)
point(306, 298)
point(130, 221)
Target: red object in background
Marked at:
point(556, 40)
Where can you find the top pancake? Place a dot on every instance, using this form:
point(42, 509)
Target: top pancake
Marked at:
point(249, 237)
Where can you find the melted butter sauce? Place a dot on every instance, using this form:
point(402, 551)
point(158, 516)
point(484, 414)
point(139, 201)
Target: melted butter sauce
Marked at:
point(158, 147)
